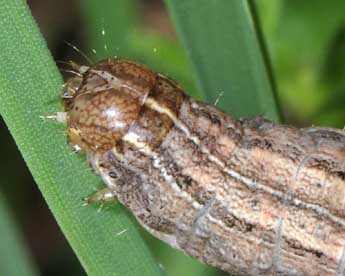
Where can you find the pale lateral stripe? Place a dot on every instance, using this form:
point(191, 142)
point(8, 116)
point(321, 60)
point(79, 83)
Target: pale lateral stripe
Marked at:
point(154, 105)
point(133, 139)
point(245, 180)
point(255, 185)
point(221, 223)
point(143, 147)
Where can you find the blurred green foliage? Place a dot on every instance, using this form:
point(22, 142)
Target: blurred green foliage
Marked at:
point(306, 41)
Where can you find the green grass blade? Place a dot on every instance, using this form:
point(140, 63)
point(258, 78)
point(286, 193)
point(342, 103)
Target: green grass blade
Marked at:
point(29, 87)
point(14, 259)
point(221, 41)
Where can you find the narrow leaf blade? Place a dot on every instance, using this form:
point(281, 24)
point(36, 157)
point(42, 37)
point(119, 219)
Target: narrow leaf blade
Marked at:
point(30, 87)
point(222, 43)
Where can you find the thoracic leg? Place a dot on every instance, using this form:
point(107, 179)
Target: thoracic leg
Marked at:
point(58, 116)
point(101, 196)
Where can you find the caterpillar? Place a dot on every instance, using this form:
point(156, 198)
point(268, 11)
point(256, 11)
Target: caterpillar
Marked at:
point(248, 196)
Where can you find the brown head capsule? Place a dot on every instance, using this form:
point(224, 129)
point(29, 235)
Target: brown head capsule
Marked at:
point(108, 103)
point(248, 196)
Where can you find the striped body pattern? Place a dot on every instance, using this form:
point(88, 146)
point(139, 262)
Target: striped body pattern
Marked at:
point(248, 196)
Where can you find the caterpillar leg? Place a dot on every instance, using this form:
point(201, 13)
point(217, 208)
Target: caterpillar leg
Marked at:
point(101, 196)
point(60, 117)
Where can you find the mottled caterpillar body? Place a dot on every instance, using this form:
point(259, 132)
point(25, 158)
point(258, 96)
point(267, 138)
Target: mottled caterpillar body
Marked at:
point(248, 196)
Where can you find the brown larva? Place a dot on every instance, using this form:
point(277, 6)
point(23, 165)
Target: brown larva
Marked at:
point(248, 196)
